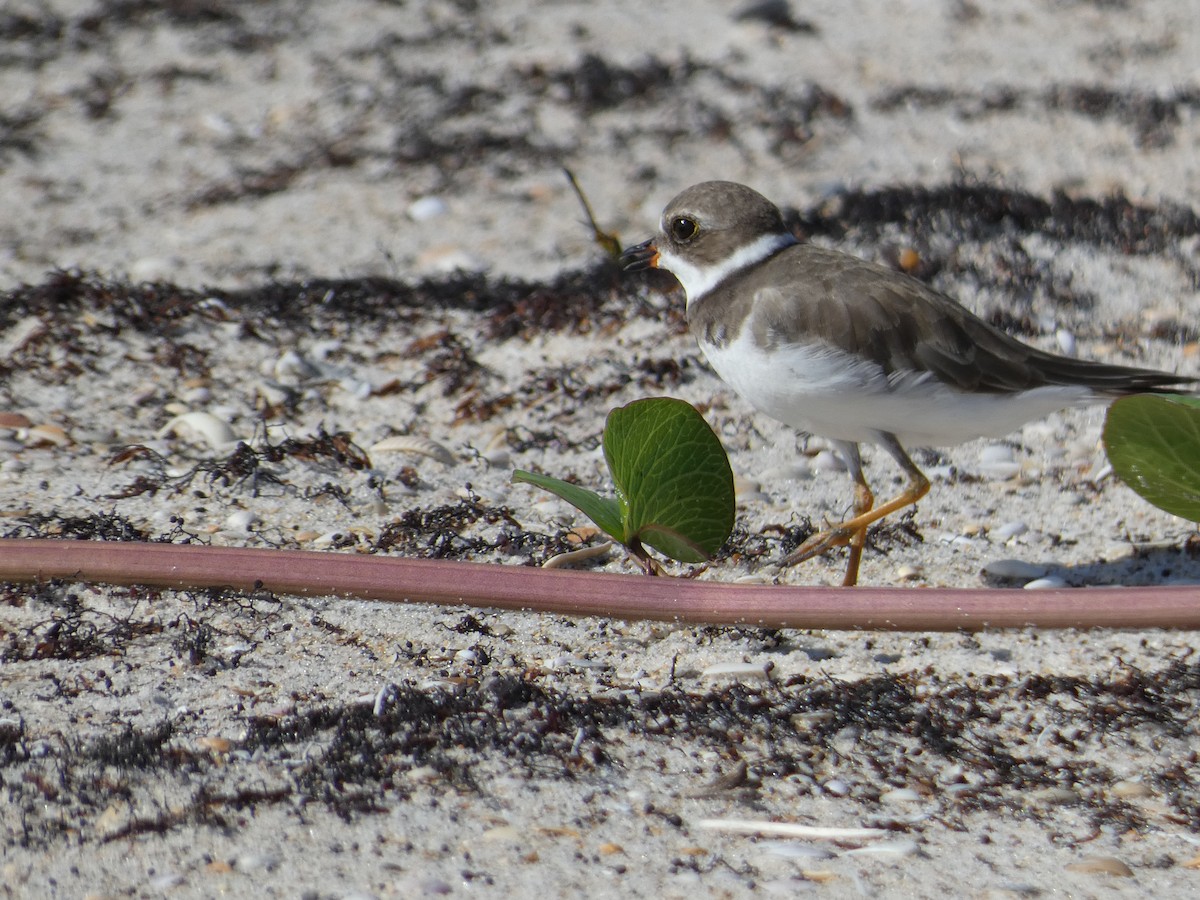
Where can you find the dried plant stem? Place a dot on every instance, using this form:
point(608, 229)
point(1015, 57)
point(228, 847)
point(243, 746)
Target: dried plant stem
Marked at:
point(564, 592)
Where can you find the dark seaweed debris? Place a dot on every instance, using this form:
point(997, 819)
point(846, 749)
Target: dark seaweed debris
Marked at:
point(981, 212)
point(904, 729)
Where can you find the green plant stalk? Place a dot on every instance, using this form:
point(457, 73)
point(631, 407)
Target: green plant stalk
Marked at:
point(562, 592)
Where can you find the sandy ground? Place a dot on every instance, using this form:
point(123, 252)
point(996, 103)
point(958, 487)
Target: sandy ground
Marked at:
point(266, 205)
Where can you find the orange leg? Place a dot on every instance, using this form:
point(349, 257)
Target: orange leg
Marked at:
point(863, 501)
point(853, 532)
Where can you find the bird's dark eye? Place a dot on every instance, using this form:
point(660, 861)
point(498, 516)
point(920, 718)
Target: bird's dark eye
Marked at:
point(683, 229)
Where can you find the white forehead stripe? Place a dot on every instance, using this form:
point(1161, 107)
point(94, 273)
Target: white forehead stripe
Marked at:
point(699, 280)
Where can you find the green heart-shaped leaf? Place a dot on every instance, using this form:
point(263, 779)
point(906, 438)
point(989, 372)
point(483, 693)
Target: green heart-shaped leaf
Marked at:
point(1153, 443)
point(673, 478)
point(674, 485)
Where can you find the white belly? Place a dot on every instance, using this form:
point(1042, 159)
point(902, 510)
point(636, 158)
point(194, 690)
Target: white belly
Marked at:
point(827, 392)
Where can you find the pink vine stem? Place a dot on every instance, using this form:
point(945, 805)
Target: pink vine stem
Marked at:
point(397, 580)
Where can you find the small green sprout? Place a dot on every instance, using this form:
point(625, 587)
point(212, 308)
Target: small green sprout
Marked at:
point(673, 481)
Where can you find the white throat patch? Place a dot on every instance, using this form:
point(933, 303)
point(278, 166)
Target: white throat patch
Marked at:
point(699, 280)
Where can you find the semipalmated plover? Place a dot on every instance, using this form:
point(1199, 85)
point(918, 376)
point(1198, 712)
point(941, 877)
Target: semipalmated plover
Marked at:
point(852, 351)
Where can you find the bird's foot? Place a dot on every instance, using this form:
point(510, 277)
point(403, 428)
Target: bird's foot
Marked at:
point(824, 541)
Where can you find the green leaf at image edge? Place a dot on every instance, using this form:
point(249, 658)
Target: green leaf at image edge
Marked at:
point(1153, 443)
point(604, 511)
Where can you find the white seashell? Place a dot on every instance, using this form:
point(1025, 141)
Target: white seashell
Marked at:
point(894, 849)
point(205, 426)
point(574, 557)
point(426, 208)
point(997, 453)
point(503, 833)
point(241, 520)
point(1049, 582)
point(1000, 471)
point(1009, 530)
point(909, 573)
point(900, 795)
point(837, 787)
point(760, 671)
point(796, 850)
point(791, 829)
point(1013, 570)
point(1101, 865)
point(1066, 341)
point(1132, 790)
point(248, 862)
point(754, 578)
point(411, 443)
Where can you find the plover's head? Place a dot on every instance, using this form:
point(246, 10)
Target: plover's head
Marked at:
point(708, 232)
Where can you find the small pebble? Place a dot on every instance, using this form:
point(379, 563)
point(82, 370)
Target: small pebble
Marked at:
point(426, 208)
point(910, 573)
point(250, 862)
point(241, 520)
point(505, 833)
point(837, 787)
point(1131, 790)
point(47, 436)
point(994, 453)
point(1013, 570)
point(1009, 530)
point(1101, 865)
